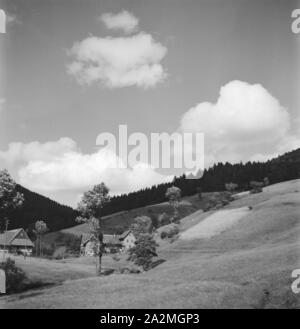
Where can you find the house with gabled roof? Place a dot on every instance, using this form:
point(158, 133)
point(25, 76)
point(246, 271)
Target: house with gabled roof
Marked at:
point(112, 243)
point(14, 240)
point(128, 239)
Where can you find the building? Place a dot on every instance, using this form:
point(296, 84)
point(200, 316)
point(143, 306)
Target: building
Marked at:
point(15, 240)
point(128, 240)
point(112, 243)
point(86, 246)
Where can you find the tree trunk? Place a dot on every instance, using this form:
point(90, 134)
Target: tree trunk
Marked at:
point(96, 264)
point(37, 246)
point(100, 263)
point(40, 246)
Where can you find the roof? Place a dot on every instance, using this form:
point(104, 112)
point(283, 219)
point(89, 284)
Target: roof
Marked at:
point(107, 239)
point(85, 238)
point(111, 239)
point(124, 235)
point(7, 237)
point(10, 238)
point(22, 242)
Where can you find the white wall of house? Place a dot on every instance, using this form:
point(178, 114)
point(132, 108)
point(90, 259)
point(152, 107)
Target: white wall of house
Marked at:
point(88, 249)
point(129, 241)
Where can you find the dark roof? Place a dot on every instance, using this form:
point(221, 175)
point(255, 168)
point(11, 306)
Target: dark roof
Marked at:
point(124, 235)
point(10, 238)
point(85, 238)
point(111, 239)
point(22, 242)
point(107, 239)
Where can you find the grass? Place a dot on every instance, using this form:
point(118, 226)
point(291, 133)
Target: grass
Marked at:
point(121, 221)
point(215, 224)
point(248, 265)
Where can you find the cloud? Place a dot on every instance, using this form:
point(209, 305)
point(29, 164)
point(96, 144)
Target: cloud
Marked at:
point(288, 143)
point(118, 62)
point(36, 151)
point(124, 21)
point(246, 120)
point(61, 166)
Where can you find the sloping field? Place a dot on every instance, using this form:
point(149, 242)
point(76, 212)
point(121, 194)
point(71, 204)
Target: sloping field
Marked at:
point(215, 224)
point(248, 265)
point(120, 222)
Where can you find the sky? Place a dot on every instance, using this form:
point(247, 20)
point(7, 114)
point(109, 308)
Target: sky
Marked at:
point(71, 69)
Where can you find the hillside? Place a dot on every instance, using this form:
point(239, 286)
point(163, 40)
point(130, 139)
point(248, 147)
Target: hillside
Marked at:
point(279, 169)
point(37, 207)
point(247, 265)
point(124, 207)
point(119, 222)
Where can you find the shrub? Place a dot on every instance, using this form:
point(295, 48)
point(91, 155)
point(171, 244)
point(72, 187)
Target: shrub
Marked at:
point(218, 200)
point(154, 219)
point(231, 187)
point(266, 181)
point(254, 184)
point(256, 190)
point(163, 219)
point(141, 225)
point(15, 276)
point(170, 231)
point(256, 187)
point(174, 195)
point(116, 257)
point(174, 230)
point(60, 253)
point(144, 251)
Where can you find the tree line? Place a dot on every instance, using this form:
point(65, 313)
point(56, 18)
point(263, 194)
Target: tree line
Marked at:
point(57, 216)
point(282, 168)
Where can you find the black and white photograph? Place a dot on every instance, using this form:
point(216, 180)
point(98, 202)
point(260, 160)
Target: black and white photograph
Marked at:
point(149, 157)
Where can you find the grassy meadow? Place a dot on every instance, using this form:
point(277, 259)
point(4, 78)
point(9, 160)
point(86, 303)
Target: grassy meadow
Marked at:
point(245, 265)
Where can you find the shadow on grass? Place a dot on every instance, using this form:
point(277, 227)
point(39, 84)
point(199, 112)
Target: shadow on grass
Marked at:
point(157, 263)
point(23, 292)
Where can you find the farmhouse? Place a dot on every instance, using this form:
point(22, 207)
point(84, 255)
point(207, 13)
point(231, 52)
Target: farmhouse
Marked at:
point(15, 240)
point(127, 239)
point(112, 243)
point(86, 246)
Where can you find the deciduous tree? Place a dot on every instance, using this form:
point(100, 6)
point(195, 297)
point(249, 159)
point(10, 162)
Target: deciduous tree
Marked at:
point(140, 225)
point(144, 251)
point(231, 187)
point(174, 195)
point(10, 198)
point(40, 228)
point(90, 208)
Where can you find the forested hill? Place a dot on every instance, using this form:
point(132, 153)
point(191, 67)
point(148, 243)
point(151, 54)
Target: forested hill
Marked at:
point(37, 207)
point(282, 168)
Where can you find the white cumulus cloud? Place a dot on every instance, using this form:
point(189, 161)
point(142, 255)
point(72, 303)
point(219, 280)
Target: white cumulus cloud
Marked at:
point(61, 166)
point(117, 62)
point(245, 120)
point(124, 21)
point(21, 153)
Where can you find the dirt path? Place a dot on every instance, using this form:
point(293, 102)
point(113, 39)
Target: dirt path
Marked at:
point(215, 224)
